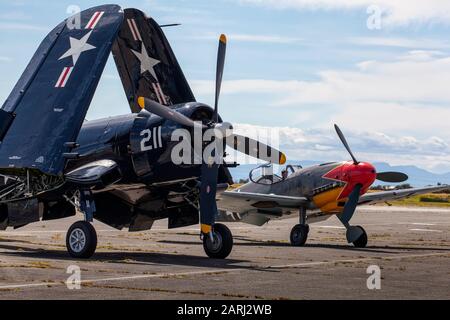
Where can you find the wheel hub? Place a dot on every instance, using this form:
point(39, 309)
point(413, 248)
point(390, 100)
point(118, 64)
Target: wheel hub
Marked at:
point(215, 244)
point(77, 240)
point(296, 235)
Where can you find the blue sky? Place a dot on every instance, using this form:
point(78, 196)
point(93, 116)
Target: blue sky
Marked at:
point(296, 66)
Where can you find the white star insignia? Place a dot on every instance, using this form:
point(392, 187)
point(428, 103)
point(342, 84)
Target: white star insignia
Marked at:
point(147, 62)
point(77, 47)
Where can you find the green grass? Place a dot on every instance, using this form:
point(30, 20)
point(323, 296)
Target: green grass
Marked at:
point(424, 200)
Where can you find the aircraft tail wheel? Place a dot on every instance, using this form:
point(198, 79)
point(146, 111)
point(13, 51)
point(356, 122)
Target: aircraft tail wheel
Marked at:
point(222, 243)
point(81, 240)
point(361, 242)
point(299, 235)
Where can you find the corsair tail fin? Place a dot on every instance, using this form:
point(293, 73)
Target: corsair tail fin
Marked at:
point(147, 64)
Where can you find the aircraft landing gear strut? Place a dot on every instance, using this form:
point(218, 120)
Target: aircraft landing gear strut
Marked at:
point(81, 239)
point(299, 233)
point(219, 244)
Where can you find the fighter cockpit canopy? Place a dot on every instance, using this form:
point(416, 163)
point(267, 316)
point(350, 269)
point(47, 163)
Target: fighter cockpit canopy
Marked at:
point(264, 174)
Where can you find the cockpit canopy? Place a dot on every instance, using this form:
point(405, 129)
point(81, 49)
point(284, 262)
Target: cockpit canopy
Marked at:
point(264, 174)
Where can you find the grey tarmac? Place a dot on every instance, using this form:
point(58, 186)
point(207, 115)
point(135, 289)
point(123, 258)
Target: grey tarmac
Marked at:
point(411, 246)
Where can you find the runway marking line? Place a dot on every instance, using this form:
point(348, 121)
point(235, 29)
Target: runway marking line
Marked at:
point(318, 263)
point(425, 230)
point(136, 277)
point(221, 271)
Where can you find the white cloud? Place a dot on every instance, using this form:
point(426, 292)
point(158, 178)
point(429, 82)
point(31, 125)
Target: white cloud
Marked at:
point(396, 12)
point(419, 76)
point(423, 120)
point(324, 145)
point(407, 94)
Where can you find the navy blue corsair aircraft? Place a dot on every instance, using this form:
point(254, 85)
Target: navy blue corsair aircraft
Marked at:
point(116, 170)
point(120, 170)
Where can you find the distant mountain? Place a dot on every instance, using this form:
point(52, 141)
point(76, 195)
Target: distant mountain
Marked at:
point(417, 177)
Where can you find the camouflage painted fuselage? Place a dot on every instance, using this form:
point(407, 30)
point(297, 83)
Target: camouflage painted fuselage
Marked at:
point(327, 186)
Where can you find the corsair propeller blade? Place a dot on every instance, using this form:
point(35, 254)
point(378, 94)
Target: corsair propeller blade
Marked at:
point(344, 141)
point(210, 171)
point(256, 149)
point(167, 113)
point(219, 73)
point(208, 191)
point(392, 177)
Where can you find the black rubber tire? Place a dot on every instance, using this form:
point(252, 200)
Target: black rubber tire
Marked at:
point(223, 249)
point(299, 235)
point(90, 236)
point(362, 240)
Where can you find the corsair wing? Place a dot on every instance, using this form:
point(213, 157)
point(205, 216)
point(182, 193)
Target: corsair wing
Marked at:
point(377, 197)
point(47, 107)
point(146, 63)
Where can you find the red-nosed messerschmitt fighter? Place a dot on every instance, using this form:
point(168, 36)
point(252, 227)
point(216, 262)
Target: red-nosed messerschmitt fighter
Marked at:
point(316, 193)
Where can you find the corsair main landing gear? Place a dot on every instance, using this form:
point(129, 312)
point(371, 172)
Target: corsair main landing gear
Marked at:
point(219, 243)
point(357, 235)
point(299, 233)
point(81, 240)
